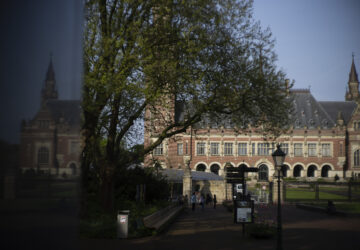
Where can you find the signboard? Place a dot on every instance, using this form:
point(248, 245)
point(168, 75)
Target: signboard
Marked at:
point(244, 211)
point(239, 188)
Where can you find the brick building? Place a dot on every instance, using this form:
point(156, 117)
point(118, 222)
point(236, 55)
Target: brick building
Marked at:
point(323, 140)
point(50, 142)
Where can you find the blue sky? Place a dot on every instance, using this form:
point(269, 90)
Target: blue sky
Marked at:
point(314, 41)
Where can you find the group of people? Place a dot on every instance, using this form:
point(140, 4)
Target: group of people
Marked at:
point(198, 198)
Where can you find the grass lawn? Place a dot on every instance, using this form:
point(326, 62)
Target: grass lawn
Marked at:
point(303, 194)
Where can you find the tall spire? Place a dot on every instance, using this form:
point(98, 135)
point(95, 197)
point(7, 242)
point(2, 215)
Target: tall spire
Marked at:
point(353, 75)
point(50, 75)
point(49, 90)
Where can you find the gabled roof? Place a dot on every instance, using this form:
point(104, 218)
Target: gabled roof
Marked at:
point(69, 110)
point(333, 108)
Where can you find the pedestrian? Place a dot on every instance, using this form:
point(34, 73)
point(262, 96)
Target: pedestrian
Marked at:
point(202, 201)
point(214, 200)
point(208, 199)
point(193, 201)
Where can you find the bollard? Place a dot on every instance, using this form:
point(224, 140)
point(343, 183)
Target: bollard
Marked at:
point(123, 224)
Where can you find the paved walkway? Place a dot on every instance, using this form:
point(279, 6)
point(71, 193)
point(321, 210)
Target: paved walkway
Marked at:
point(214, 229)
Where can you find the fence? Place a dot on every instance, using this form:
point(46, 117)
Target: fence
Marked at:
point(318, 191)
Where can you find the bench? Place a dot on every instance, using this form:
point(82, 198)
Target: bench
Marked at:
point(162, 218)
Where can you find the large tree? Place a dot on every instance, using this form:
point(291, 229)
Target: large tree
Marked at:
point(210, 54)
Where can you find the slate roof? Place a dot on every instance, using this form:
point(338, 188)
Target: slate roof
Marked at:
point(69, 110)
point(346, 108)
point(306, 112)
point(176, 175)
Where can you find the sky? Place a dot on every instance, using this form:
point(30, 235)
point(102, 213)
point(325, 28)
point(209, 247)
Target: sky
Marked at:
point(314, 42)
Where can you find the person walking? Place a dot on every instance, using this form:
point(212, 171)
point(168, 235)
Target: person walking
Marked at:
point(214, 200)
point(193, 201)
point(202, 201)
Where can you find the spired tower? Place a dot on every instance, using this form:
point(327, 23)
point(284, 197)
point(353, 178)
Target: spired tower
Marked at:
point(352, 94)
point(49, 90)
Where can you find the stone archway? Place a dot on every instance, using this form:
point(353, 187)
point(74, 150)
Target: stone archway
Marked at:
point(201, 167)
point(214, 168)
point(325, 171)
point(311, 171)
point(298, 170)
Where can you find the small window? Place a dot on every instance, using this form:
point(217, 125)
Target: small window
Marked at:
point(228, 148)
point(159, 150)
point(298, 149)
point(214, 148)
point(357, 158)
point(285, 148)
point(200, 149)
point(263, 148)
point(180, 149)
point(325, 149)
point(43, 155)
point(242, 149)
point(312, 149)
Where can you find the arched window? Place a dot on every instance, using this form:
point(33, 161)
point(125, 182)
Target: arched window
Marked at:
point(325, 171)
point(357, 158)
point(201, 167)
point(263, 173)
point(284, 170)
point(311, 171)
point(43, 156)
point(73, 168)
point(215, 168)
point(297, 170)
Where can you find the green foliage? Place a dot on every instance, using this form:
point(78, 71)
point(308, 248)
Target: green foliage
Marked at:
point(141, 55)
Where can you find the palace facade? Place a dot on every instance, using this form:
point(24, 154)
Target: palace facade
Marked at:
point(50, 142)
point(323, 141)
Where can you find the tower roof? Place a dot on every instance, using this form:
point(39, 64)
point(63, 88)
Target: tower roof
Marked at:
point(50, 75)
point(353, 75)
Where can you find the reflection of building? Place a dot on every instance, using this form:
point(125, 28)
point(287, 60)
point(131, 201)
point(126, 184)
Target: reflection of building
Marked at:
point(51, 140)
point(323, 141)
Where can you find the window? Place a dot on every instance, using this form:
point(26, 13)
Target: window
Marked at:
point(242, 149)
point(200, 148)
point(158, 150)
point(285, 148)
point(298, 149)
point(43, 124)
point(325, 149)
point(74, 147)
point(263, 148)
point(356, 125)
point(357, 158)
point(214, 148)
point(228, 148)
point(253, 149)
point(312, 149)
point(263, 173)
point(43, 155)
point(180, 149)
point(341, 149)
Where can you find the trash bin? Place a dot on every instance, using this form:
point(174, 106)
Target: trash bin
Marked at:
point(122, 224)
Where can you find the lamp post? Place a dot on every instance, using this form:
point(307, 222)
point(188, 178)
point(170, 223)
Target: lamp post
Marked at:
point(279, 157)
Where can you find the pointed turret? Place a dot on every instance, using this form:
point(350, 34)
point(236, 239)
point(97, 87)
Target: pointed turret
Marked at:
point(353, 77)
point(353, 93)
point(49, 90)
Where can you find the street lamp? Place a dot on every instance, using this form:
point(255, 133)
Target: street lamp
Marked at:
point(279, 157)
